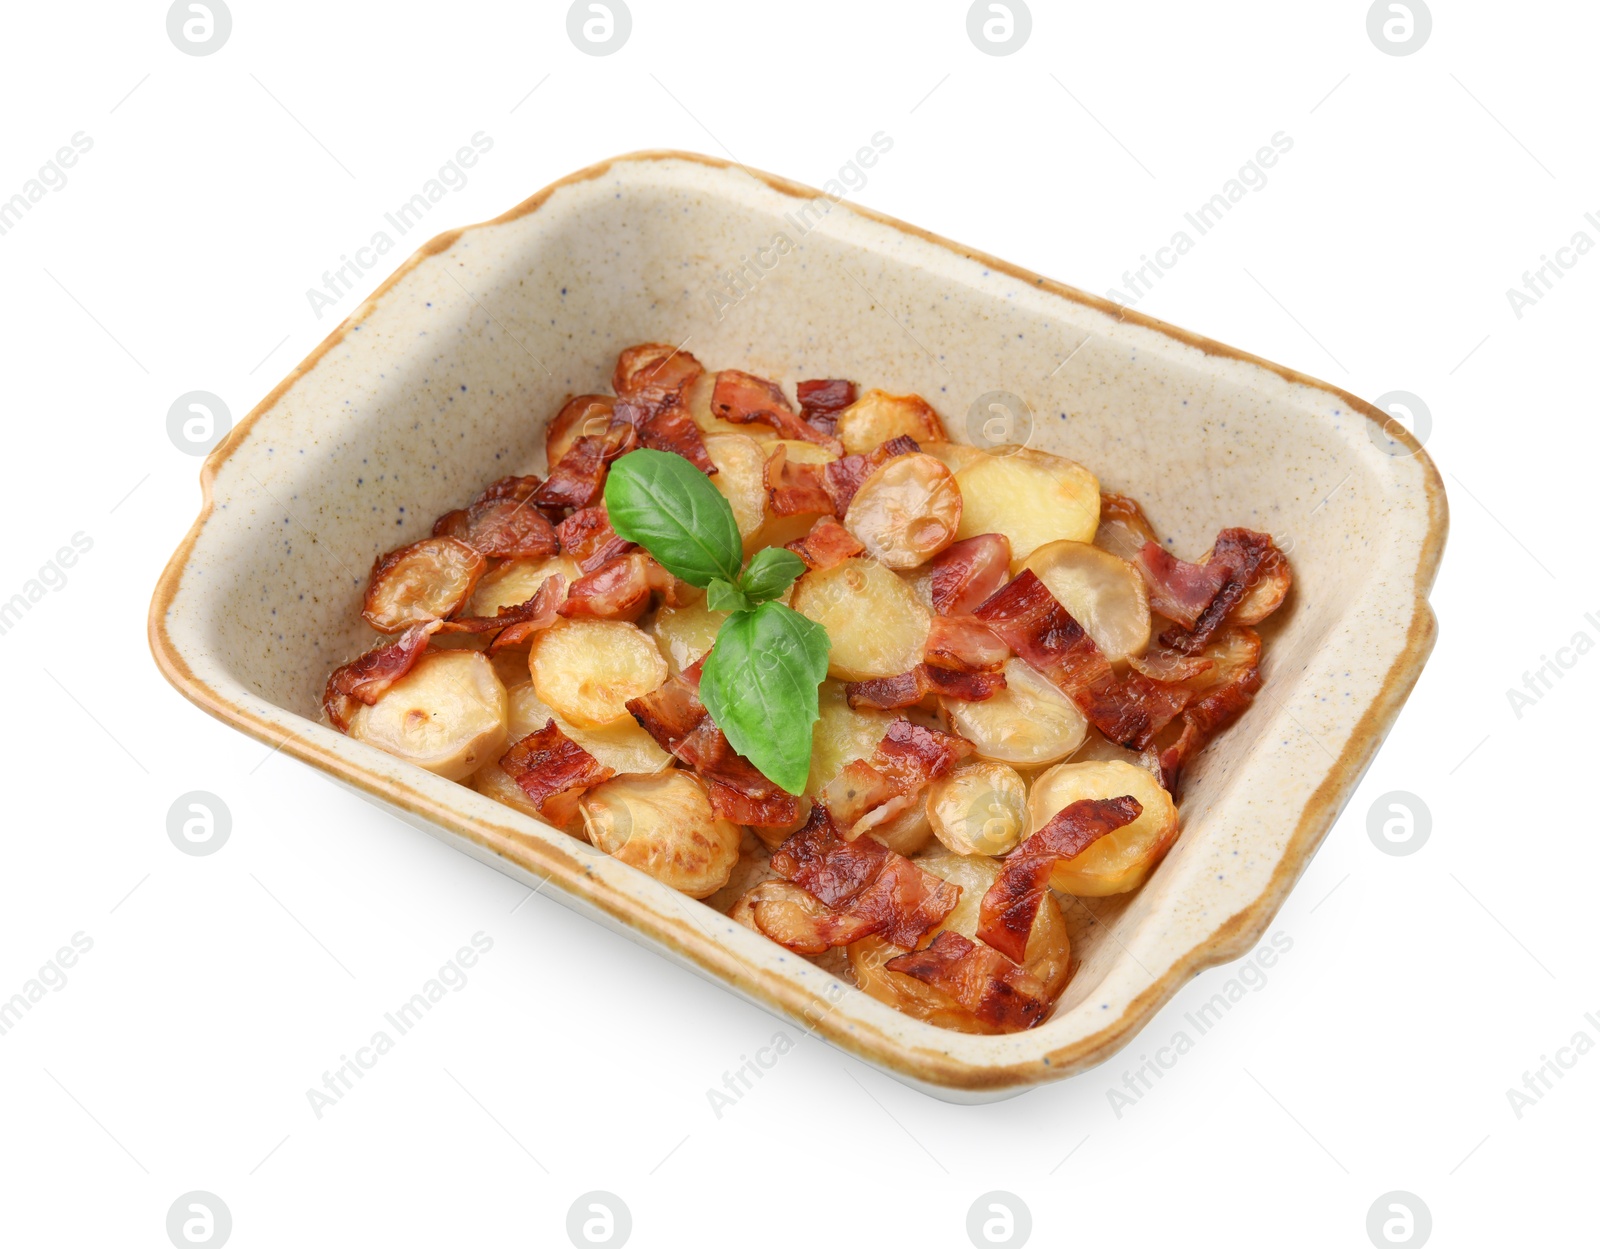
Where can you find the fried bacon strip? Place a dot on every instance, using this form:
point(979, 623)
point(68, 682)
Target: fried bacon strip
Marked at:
point(676, 718)
point(668, 427)
point(966, 573)
point(503, 522)
point(583, 414)
point(516, 624)
point(964, 644)
point(981, 979)
point(828, 544)
point(870, 792)
point(1179, 590)
point(588, 537)
point(821, 401)
point(554, 771)
point(654, 372)
point(619, 590)
point(742, 398)
point(910, 688)
point(796, 489)
point(881, 891)
point(579, 478)
point(1235, 682)
point(1008, 909)
point(364, 680)
point(1130, 710)
point(1240, 557)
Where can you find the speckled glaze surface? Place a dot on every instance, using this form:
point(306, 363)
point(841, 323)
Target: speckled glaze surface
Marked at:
point(445, 378)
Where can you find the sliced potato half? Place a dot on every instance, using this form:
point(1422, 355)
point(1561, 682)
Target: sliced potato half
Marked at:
point(877, 416)
point(516, 581)
point(906, 512)
point(981, 807)
point(663, 825)
point(1104, 594)
point(741, 476)
point(686, 633)
point(874, 620)
point(587, 670)
point(841, 735)
point(448, 715)
point(1120, 860)
point(1027, 724)
point(1032, 497)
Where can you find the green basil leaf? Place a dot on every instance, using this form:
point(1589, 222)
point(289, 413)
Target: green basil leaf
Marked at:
point(720, 596)
point(671, 509)
point(771, 571)
point(760, 685)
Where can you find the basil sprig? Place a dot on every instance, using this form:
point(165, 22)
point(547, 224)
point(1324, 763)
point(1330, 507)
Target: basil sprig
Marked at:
point(759, 683)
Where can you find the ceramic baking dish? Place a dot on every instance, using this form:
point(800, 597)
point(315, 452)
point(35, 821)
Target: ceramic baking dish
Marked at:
point(443, 380)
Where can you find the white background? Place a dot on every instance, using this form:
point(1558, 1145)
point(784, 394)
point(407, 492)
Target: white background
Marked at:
point(1418, 989)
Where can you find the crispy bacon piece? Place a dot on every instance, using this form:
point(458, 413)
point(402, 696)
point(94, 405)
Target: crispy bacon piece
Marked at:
point(668, 427)
point(1236, 681)
point(910, 688)
point(654, 372)
point(828, 544)
point(503, 522)
point(821, 401)
point(619, 590)
point(554, 771)
point(1008, 909)
point(964, 644)
point(1239, 559)
point(520, 620)
point(796, 489)
point(885, 892)
point(588, 537)
point(427, 580)
point(965, 574)
point(584, 414)
point(680, 724)
point(870, 792)
point(579, 478)
point(365, 679)
point(1129, 710)
point(1179, 590)
point(981, 979)
point(742, 398)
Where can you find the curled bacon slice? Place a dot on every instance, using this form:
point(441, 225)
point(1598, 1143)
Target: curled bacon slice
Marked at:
point(1129, 710)
point(503, 522)
point(966, 573)
point(1239, 560)
point(514, 624)
point(884, 892)
point(870, 792)
point(964, 644)
point(654, 372)
point(578, 479)
point(588, 537)
point(797, 489)
point(828, 544)
point(671, 428)
point(1179, 590)
point(619, 590)
point(554, 771)
point(1124, 528)
point(585, 414)
point(364, 680)
point(1236, 678)
point(821, 401)
point(910, 688)
point(1008, 909)
point(678, 721)
point(427, 580)
point(983, 980)
point(743, 398)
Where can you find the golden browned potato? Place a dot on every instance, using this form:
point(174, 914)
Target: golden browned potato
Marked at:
point(427, 580)
point(663, 825)
point(954, 455)
point(584, 416)
point(876, 417)
point(908, 832)
point(1104, 594)
point(1120, 860)
point(685, 633)
point(782, 911)
point(516, 581)
point(841, 735)
point(874, 621)
point(1124, 528)
point(448, 715)
point(1048, 956)
point(1027, 724)
point(906, 512)
point(741, 476)
point(587, 670)
point(1265, 596)
point(1032, 497)
point(980, 807)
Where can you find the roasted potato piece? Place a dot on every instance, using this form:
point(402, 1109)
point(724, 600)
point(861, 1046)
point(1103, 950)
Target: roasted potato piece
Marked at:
point(841, 735)
point(876, 417)
point(1027, 724)
point(1124, 528)
point(1104, 594)
point(663, 825)
point(954, 455)
point(980, 807)
point(1032, 497)
point(587, 670)
point(516, 581)
point(782, 530)
point(906, 512)
point(686, 633)
point(741, 476)
point(1048, 956)
point(427, 580)
point(697, 399)
point(1265, 596)
point(782, 911)
point(448, 715)
point(875, 623)
point(585, 415)
point(1121, 860)
point(908, 832)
